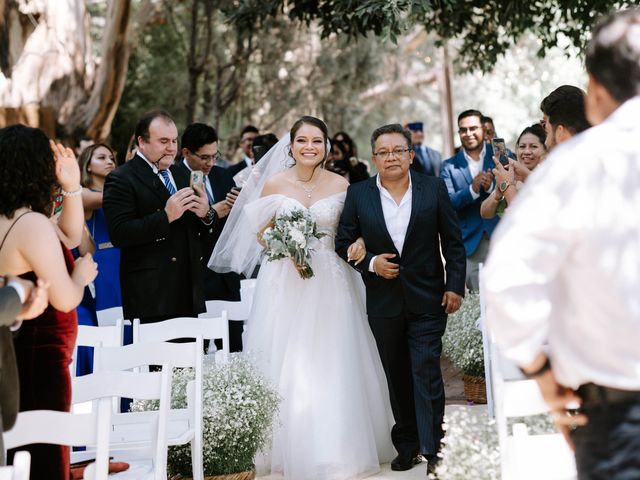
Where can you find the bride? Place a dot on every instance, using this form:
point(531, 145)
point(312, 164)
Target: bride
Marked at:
point(309, 336)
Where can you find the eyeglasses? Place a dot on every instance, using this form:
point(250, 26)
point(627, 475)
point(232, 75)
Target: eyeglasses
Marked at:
point(463, 130)
point(208, 158)
point(396, 152)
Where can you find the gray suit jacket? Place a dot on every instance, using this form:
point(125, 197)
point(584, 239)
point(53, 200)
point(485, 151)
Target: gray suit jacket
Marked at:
point(9, 307)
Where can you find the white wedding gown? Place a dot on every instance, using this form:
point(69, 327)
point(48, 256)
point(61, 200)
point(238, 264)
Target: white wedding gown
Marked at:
point(312, 340)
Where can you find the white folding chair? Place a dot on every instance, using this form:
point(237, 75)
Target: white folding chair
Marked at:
point(63, 428)
point(208, 327)
point(109, 316)
point(105, 385)
point(89, 336)
point(512, 395)
point(20, 469)
point(185, 424)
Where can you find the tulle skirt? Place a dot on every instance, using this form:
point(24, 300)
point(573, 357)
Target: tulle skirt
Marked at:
point(312, 340)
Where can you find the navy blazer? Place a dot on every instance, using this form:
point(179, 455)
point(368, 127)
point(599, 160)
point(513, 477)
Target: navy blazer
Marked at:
point(457, 177)
point(217, 286)
point(421, 284)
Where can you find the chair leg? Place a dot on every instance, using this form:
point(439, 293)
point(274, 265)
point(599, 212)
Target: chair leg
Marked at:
point(196, 459)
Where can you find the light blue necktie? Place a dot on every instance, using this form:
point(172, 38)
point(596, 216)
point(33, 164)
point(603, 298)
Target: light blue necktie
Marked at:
point(209, 195)
point(167, 181)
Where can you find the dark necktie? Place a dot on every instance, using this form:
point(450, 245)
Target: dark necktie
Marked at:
point(167, 181)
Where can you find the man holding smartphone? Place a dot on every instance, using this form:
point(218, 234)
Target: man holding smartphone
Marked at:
point(199, 151)
point(157, 220)
point(469, 181)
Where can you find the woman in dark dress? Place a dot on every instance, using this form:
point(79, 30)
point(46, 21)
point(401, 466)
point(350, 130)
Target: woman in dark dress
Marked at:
point(31, 172)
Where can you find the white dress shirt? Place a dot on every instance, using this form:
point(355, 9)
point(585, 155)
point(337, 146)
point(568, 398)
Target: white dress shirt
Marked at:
point(396, 216)
point(157, 172)
point(475, 166)
point(564, 264)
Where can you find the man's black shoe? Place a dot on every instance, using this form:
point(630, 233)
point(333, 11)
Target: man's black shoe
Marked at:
point(432, 465)
point(402, 463)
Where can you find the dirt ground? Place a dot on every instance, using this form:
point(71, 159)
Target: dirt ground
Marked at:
point(453, 387)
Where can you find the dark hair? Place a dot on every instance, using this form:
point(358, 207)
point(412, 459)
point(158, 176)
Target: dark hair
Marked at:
point(484, 119)
point(249, 129)
point(613, 54)
point(27, 171)
point(391, 128)
point(537, 130)
point(85, 159)
point(471, 113)
point(565, 106)
point(262, 144)
point(348, 143)
point(142, 127)
point(197, 135)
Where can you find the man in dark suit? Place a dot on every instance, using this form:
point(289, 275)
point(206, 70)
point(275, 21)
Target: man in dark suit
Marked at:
point(405, 218)
point(426, 159)
point(469, 181)
point(157, 220)
point(246, 142)
point(200, 152)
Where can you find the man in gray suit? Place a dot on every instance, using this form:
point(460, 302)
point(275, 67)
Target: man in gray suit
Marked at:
point(19, 300)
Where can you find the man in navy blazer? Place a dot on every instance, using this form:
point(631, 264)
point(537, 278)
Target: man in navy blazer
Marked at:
point(469, 181)
point(406, 220)
point(200, 152)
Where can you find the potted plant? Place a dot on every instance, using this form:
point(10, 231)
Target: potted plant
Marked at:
point(462, 344)
point(238, 409)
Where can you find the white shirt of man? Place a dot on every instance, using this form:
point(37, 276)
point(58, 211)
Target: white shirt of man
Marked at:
point(564, 265)
point(157, 172)
point(475, 167)
point(396, 216)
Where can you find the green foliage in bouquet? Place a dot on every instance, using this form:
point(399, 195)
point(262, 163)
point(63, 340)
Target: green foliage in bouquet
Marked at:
point(289, 236)
point(238, 410)
point(462, 341)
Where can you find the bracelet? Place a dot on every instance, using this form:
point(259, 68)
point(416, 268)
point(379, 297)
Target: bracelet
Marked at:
point(543, 369)
point(75, 193)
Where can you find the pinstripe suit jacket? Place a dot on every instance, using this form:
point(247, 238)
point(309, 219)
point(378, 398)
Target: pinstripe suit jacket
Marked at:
point(433, 224)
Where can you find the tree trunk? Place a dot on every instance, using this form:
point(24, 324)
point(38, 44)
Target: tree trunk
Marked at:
point(49, 77)
point(446, 105)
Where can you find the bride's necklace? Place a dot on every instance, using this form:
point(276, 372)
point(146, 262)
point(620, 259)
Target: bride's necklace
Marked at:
point(308, 190)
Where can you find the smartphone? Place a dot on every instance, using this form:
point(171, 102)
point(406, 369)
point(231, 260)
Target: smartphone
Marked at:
point(500, 150)
point(197, 177)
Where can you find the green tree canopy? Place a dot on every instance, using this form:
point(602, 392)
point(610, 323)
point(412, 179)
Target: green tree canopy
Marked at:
point(487, 28)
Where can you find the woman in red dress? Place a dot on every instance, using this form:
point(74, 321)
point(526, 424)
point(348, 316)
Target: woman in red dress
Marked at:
point(32, 170)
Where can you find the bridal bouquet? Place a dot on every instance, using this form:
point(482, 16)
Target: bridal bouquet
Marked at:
point(288, 236)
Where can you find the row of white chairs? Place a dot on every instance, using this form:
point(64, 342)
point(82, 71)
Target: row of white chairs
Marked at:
point(134, 435)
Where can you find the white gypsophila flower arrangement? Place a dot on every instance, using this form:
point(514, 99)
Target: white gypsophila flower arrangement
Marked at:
point(289, 236)
point(238, 410)
point(462, 341)
point(470, 446)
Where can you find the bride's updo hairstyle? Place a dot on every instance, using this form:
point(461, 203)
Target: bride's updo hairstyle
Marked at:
point(316, 122)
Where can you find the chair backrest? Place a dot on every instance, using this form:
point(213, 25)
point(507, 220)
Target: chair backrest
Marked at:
point(207, 327)
point(238, 311)
point(21, 468)
point(109, 316)
point(89, 336)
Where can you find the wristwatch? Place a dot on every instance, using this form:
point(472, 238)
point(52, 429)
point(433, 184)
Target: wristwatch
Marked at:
point(504, 185)
point(210, 216)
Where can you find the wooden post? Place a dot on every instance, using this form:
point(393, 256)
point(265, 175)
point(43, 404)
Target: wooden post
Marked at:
point(446, 106)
